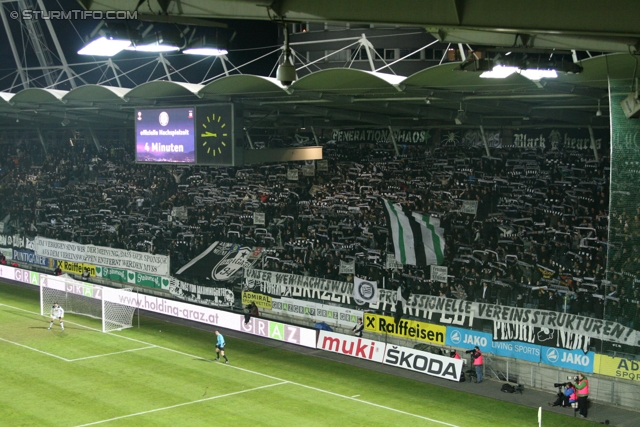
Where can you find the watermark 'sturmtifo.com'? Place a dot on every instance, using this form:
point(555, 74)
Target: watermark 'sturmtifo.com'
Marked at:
point(52, 15)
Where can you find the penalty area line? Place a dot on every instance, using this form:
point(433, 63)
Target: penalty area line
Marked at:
point(267, 376)
point(182, 404)
point(111, 354)
point(35, 349)
point(388, 408)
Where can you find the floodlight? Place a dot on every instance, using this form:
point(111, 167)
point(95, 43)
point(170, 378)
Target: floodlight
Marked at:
point(157, 43)
point(105, 46)
point(536, 75)
point(499, 72)
point(533, 65)
point(205, 51)
point(206, 47)
point(155, 47)
point(599, 112)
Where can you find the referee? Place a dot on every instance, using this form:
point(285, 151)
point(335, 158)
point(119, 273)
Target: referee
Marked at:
point(220, 347)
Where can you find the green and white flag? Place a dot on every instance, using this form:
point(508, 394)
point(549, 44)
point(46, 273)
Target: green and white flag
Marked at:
point(418, 239)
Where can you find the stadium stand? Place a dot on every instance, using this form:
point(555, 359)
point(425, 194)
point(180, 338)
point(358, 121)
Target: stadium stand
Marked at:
point(538, 239)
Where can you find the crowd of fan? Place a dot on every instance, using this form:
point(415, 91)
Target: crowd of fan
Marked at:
point(538, 239)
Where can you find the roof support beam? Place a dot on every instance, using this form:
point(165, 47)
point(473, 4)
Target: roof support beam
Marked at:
point(612, 18)
point(524, 109)
point(430, 113)
point(41, 138)
point(356, 116)
point(23, 75)
point(555, 87)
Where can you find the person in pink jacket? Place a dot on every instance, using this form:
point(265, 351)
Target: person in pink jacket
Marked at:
point(583, 393)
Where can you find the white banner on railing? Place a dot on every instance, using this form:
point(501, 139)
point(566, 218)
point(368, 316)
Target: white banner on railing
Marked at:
point(206, 295)
point(439, 274)
point(295, 285)
point(259, 218)
point(65, 251)
point(423, 362)
point(16, 241)
point(365, 290)
point(330, 314)
point(102, 256)
point(469, 207)
point(347, 267)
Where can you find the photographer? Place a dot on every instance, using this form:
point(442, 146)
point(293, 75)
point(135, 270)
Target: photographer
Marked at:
point(456, 355)
point(476, 357)
point(583, 394)
point(567, 397)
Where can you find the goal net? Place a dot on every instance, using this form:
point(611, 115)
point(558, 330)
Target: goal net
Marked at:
point(87, 299)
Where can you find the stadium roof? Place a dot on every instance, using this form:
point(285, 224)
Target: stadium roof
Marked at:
point(595, 25)
point(346, 97)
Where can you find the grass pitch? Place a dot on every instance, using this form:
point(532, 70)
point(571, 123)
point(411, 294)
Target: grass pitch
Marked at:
point(164, 375)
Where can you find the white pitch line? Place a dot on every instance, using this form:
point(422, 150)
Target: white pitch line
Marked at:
point(111, 354)
point(35, 349)
point(267, 376)
point(344, 396)
point(182, 404)
point(357, 395)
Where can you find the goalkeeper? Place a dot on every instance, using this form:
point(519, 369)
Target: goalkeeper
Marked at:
point(57, 312)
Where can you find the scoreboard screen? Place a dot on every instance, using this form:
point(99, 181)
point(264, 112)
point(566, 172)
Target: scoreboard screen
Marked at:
point(165, 135)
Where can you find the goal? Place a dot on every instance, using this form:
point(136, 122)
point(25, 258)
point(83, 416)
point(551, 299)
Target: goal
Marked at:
point(88, 300)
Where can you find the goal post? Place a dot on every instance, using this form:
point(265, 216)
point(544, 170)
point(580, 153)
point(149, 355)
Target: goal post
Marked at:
point(89, 300)
point(117, 316)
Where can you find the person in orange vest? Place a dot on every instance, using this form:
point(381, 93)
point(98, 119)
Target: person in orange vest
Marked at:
point(476, 357)
point(455, 355)
point(583, 393)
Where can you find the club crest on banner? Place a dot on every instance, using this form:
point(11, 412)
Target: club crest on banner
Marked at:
point(231, 264)
point(227, 259)
point(365, 291)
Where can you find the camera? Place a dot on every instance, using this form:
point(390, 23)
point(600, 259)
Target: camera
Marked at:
point(574, 378)
point(470, 351)
point(560, 384)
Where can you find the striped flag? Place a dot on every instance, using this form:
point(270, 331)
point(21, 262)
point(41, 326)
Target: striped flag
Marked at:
point(417, 239)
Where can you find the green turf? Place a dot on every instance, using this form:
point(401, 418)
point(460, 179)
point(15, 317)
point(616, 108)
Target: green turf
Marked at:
point(167, 378)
